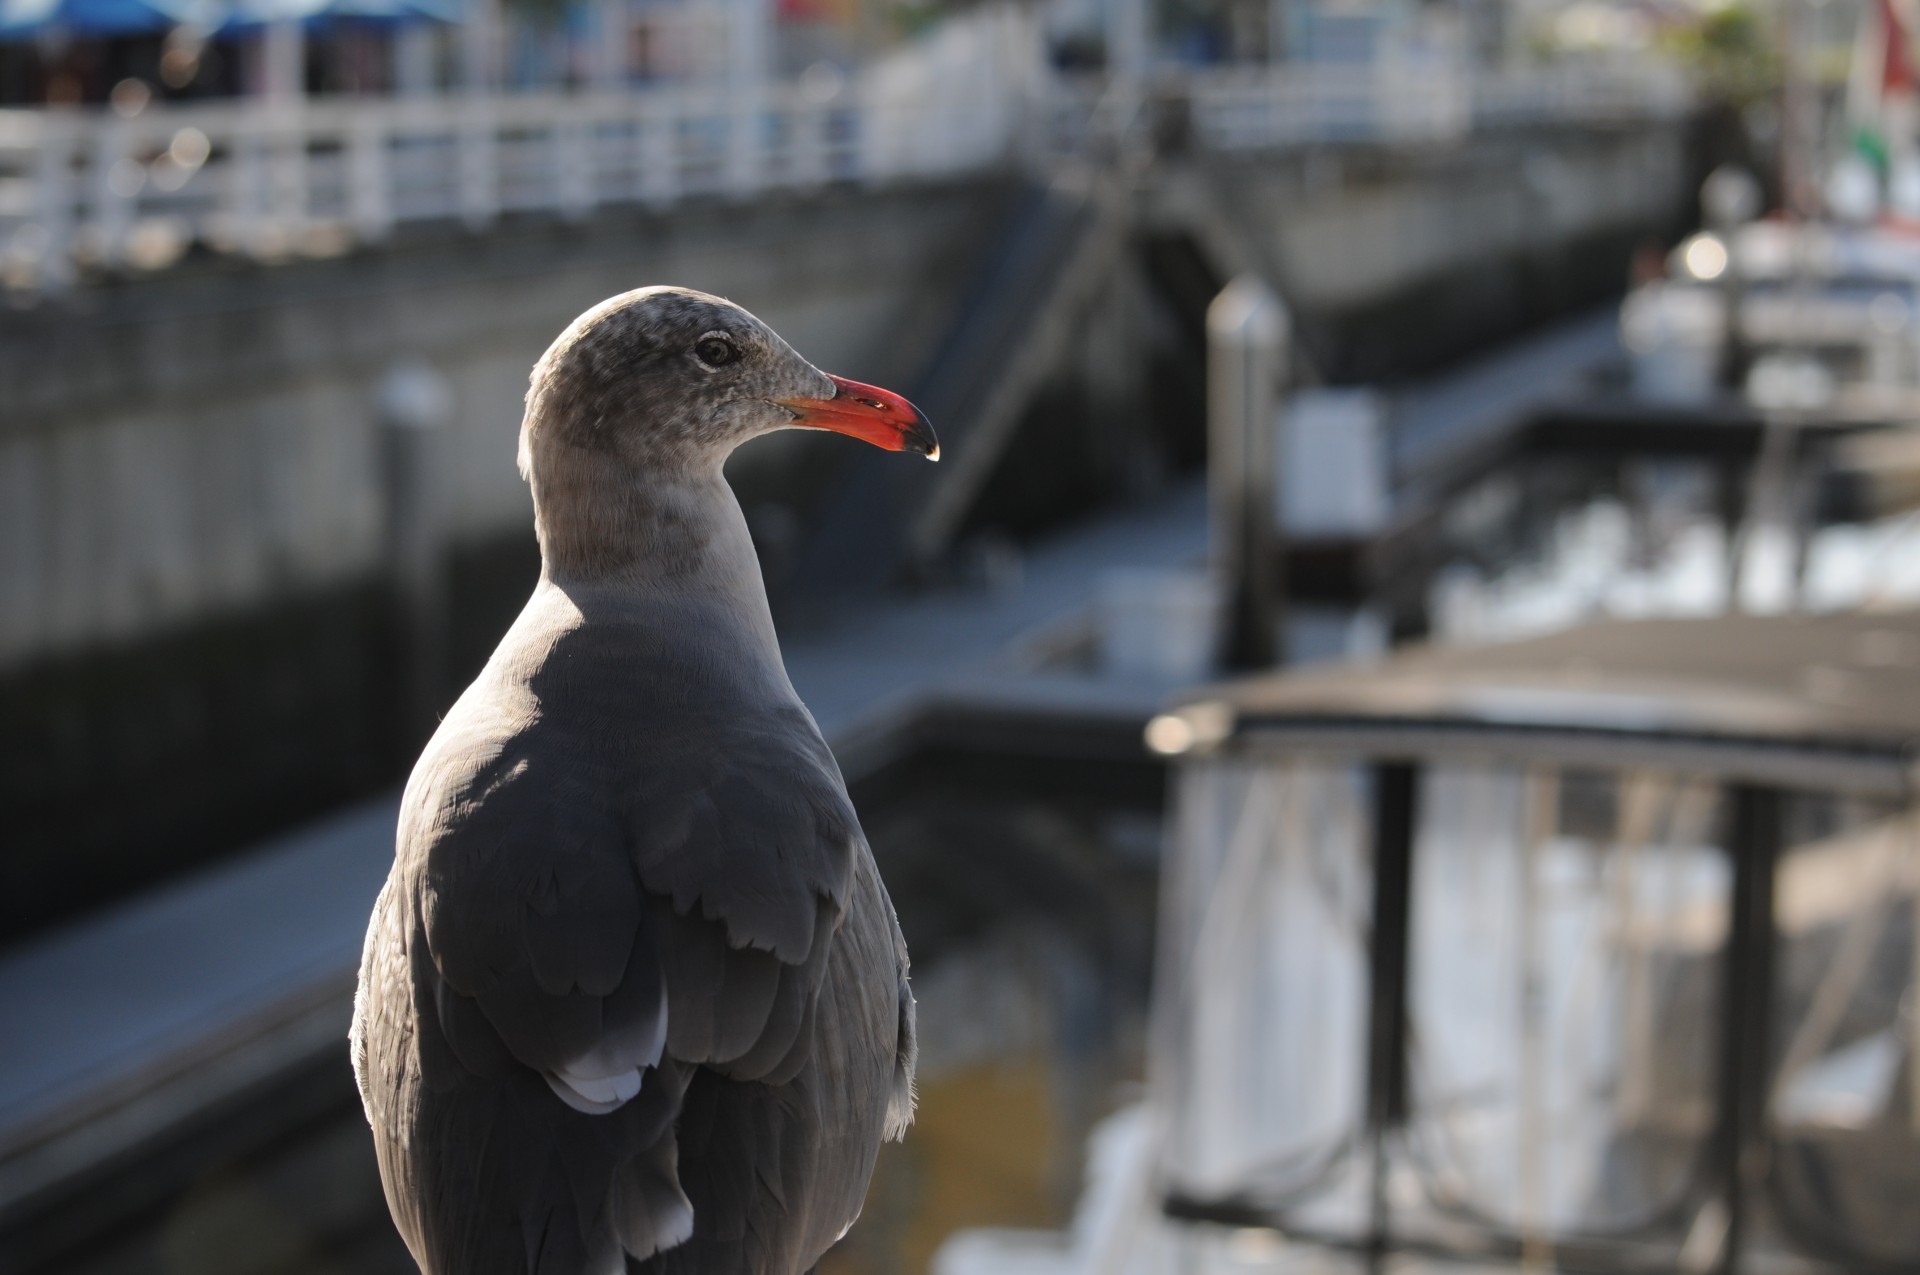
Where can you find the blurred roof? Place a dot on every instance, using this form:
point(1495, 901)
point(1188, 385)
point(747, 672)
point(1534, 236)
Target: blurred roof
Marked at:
point(259, 13)
point(1840, 693)
point(22, 18)
point(93, 17)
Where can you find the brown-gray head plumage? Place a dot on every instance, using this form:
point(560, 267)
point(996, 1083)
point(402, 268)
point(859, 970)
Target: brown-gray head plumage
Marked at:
point(634, 998)
point(633, 409)
point(664, 377)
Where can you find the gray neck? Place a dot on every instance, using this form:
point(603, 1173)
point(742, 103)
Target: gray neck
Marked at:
point(622, 541)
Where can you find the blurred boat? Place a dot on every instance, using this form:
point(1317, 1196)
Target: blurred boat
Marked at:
point(1794, 316)
point(1591, 951)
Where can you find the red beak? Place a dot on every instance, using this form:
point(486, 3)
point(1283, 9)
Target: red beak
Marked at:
point(867, 412)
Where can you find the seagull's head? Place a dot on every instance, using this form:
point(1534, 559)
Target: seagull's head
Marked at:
point(669, 377)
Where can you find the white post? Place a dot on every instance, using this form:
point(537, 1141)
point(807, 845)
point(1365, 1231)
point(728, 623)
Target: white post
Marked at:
point(656, 156)
point(54, 191)
point(613, 48)
point(749, 64)
point(283, 83)
point(367, 170)
point(246, 185)
point(413, 60)
point(284, 69)
point(287, 170)
point(1247, 337)
point(572, 141)
point(116, 180)
point(874, 143)
point(479, 45)
point(812, 115)
point(479, 176)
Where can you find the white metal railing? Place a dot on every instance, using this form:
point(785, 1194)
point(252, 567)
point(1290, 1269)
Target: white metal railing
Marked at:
point(90, 188)
point(241, 176)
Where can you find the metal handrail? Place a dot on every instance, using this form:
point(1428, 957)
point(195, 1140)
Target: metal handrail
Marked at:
point(86, 187)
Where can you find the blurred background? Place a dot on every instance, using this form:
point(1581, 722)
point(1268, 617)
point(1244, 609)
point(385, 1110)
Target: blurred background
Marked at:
point(1389, 732)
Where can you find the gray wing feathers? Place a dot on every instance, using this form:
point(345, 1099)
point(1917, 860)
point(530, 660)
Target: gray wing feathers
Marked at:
point(810, 1140)
point(901, 1097)
point(767, 799)
point(531, 911)
point(661, 906)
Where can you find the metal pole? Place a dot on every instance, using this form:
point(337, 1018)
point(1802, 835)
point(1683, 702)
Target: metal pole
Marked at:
point(1730, 198)
point(1396, 794)
point(1746, 1045)
point(1543, 818)
point(1798, 117)
point(1247, 342)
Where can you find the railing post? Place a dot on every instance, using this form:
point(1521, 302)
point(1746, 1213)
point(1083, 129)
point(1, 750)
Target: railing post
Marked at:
point(747, 70)
point(1248, 335)
point(246, 186)
point(53, 183)
point(479, 194)
point(656, 158)
point(1396, 805)
point(287, 170)
point(414, 72)
point(479, 176)
point(610, 55)
point(873, 145)
point(368, 192)
point(812, 117)
point(1747, 1043)
point(573, 159)
point(116, 187)
point(284, 61)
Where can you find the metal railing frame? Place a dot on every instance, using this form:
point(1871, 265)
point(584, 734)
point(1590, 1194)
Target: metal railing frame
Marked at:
point(86, 188)
point(1735, 1168)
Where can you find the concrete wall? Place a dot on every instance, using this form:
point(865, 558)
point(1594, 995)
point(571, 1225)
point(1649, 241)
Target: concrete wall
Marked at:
point(191, 445)
point(1350, 239)
point(1395, 261)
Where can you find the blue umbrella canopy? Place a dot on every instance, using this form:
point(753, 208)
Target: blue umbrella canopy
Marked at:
point(258, 13)
point(95, 17)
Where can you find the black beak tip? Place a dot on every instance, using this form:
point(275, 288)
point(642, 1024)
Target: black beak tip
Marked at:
point(921, 439)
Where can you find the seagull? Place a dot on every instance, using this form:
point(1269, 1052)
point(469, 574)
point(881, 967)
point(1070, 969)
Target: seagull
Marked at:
point(634, 998)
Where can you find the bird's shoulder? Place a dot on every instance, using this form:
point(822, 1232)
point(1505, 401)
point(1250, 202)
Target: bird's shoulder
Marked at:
point(568, 814)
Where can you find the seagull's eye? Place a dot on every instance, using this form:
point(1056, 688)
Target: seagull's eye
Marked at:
point(715, 350)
